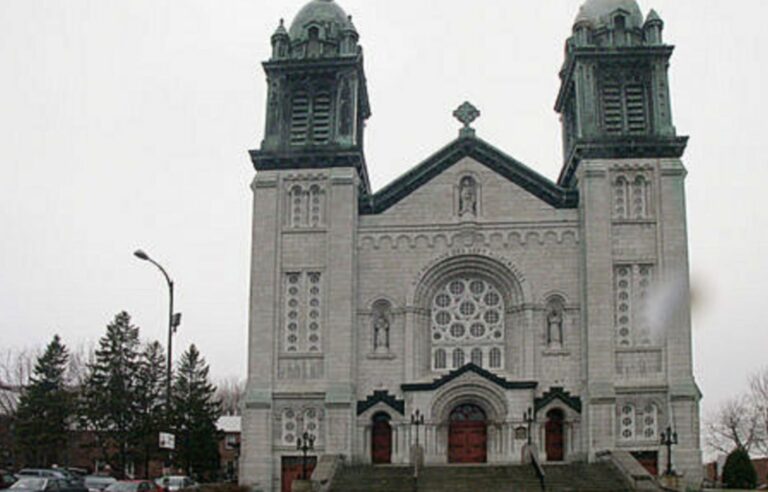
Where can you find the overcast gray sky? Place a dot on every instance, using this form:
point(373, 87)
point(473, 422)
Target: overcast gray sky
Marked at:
point(126, 124)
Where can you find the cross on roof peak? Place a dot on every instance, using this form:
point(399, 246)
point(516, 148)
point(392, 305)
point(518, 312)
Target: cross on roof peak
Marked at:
point(467, 113)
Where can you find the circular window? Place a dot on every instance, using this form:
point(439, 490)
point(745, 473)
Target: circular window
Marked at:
point(491, 317)
point(443, 318)
point(467, 308)
point(492, 299)
point(457, 287)
point(477, 330)
point(477, 287)
point(457, 330)
point(293, 326)
point(313, 326)
point(443, 300)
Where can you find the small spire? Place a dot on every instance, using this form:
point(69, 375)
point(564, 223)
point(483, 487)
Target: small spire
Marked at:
point(466, 114)
point(653, 16)
point(280, 31)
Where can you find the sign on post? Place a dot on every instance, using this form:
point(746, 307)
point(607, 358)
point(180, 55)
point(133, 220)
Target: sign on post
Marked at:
point(167, 440)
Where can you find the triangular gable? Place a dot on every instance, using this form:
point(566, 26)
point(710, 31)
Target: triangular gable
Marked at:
point(558, 393)
point(482, 152)
point(380, 396)
point(497, 380)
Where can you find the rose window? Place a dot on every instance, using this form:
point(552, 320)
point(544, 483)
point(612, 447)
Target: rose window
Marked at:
point(467, 322)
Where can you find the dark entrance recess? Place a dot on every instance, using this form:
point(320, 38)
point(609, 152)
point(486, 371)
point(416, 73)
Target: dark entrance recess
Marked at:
point(381, 439)
point(554, 438)
point(292, 470)
point(467, 435)
point(649, 460)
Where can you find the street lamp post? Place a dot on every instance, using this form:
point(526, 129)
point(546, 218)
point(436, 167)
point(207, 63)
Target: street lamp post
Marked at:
point(305, 444)
point(669, 439)
point(528, 419)
point(417, 420)
point(174, 320)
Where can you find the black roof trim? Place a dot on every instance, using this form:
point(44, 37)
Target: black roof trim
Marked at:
point(623, 147)
point(381, 396)
point(557, 393)
point(481, 151)
point(497, 380)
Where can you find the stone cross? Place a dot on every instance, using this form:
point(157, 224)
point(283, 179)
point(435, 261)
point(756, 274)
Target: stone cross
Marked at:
point(466, 113)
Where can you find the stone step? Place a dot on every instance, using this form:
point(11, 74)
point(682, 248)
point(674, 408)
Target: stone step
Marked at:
point(480, 478)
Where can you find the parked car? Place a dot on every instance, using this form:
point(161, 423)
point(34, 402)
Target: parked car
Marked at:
point(42, 473)
point(6, 479)
point(134, 486)
point(174, 483)
point(47, 484)
point(97, 483)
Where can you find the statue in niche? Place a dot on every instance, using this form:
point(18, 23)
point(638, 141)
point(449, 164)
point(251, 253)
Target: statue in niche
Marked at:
point(380, 332)
point(555, 327)
point(467, 196)
point(345, 110)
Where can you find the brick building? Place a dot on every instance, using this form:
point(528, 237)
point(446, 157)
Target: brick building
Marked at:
point(472, 289)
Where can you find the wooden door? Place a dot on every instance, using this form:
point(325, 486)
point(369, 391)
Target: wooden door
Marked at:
point(554, 436)
point(381, 440)
point(649, 460)
point(292, 470)
point(467, 435)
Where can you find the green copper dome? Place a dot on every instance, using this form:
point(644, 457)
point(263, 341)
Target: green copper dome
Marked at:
point(325, 12)
point(599, 12)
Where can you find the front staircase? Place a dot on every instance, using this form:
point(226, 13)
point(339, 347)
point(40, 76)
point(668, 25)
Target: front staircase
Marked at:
point(573, 477)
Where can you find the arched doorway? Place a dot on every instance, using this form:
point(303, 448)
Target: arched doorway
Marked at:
point(381, 439)
point(467, 435)
point(554, 437)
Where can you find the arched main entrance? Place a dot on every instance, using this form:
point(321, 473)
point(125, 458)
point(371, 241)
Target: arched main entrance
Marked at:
point(381, 439)
point(467, 435)
point(554, 438)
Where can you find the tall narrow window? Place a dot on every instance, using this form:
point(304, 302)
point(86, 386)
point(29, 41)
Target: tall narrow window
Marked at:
point(477, 357)
point(321, 117)
point(624, 104)
point(627, 422)
point(458, 358)
point(494, 358)
point(299, 118)
point(440, 359)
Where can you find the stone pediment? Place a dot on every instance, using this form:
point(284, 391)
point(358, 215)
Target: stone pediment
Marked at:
point(381, 396)
point(483, 153)
point(470, 369)
point(558, 393)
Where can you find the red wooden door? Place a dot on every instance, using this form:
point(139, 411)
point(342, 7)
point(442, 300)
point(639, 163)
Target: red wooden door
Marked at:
point(381, 440)
point(467, 435)
point(649, 460)
point(554, 439)
point(292, 470)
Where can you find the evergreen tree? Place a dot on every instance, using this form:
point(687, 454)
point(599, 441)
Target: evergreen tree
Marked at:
point(738, 471)
point(150, 402)
point(45, 408)
point(195, 412)
point(110, 391)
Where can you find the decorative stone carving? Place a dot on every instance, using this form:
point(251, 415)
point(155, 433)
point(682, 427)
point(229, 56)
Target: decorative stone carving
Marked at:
point(467, 196)
point(303, 313)
point(632, 195)
point(382, 322)
point(631, 291)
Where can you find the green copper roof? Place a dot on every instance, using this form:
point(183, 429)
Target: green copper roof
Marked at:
point(320, 11)
point(599, 12)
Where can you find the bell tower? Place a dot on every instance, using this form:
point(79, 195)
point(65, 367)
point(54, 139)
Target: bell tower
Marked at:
point(317, 102)
point(614, 97)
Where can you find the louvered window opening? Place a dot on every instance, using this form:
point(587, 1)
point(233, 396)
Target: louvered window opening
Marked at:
point(624, 107)
point(311, 118)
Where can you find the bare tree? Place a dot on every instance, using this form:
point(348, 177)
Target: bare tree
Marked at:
point(758, 395)
point(230, 393)
point(16, 367)
point(736, 424)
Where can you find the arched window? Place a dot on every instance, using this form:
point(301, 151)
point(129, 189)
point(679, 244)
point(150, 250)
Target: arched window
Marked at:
point(627, 422)
point(621, 198)
point(440, 359)
point(650, 421)
point(494, 358)
point(316, 199)
point(458, 358)
point(467, 319)
point(476, 357)
point(297, 206)
point(640, 198)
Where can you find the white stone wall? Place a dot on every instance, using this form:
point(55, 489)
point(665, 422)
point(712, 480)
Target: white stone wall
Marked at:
point(540, 252)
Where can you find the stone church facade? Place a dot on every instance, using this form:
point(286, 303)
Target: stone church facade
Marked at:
point(501, 306)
